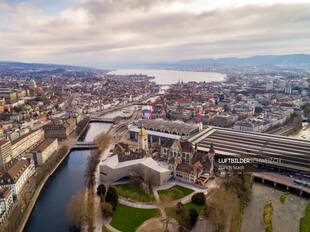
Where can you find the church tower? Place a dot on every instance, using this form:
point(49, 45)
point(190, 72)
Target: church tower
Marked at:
point(143, 140)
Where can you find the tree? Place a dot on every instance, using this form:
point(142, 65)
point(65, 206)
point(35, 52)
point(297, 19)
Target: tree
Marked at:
point(101, 190)
point(112, 196)
point(107, 209)
point(193, 215)
point(76, 210)
point(199, 198)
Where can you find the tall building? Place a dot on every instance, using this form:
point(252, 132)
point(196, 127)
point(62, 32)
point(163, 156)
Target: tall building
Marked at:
point(142, 139)
point(5, 152)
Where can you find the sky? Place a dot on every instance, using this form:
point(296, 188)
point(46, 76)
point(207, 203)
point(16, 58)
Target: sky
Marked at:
point(103, 33)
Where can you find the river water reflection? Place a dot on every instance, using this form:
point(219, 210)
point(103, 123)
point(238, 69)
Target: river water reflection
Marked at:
point(49, 213)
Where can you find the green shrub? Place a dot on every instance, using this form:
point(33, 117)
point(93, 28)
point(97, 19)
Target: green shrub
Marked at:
point(199, 198)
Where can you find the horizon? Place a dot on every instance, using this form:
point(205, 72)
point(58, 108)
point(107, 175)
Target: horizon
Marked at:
point(134, 65)
point(113, 33)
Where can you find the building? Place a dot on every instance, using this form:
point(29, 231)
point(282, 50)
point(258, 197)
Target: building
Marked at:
point(59, 129)
point(160, 130)
point(8, 94)
point(44, 150)
point(5, 152)
point(143, 140)
point(112, 170)
point(223, 120)
point(177, 149)
point(26, 142)
point(6, 203)
point(17, 175)
point(188, 173)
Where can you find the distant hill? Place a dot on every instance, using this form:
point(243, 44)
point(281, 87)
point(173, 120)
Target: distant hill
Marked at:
point(295, 59)
point(11, 66)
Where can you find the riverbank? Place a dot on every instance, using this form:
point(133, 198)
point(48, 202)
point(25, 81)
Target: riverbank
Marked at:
point(80, 131)
point(37, 193)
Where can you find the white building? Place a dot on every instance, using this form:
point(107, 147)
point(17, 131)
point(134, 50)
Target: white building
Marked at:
point(17, 175)
point(112, 170)
point(6, 203)
point(25, 142)
point(44, 150)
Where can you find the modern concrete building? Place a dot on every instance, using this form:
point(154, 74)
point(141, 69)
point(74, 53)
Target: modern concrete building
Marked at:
point(44, 150)
point(111, 170)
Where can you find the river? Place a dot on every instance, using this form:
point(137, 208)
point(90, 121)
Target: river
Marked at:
point(49, 213)
point(285, 216)
point(167, 77)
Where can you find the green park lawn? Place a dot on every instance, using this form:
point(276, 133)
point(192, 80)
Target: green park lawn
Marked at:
point(134, 193)
point(126, 218)
point(174, 193)
point(192, 205)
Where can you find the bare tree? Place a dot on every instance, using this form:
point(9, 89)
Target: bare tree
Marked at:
point(76, 210)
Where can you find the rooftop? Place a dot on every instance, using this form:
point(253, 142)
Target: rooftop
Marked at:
point(114, 163)
point(42, 146)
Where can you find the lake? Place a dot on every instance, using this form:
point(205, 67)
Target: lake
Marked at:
point(167, 77)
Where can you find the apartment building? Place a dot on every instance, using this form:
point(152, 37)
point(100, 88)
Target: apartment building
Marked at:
point(44, 150)
point(17, 175)
point(5, 153)
point(6, 203)
point(26, 142)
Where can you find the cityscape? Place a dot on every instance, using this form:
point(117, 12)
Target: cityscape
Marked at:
point(144, 116)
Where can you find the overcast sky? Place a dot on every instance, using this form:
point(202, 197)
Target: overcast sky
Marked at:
point(109, 32)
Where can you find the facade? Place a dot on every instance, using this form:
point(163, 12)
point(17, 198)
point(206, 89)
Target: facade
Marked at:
point(16, 176)
point(26, 142)
point(112, 170)
point(5, 152)
point(6, 203)
point(177, 149)
point(161, 130)
point(59, 129)
point(44, 150)
point(187, 173)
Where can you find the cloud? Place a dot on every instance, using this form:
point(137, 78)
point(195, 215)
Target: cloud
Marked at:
point(132, 31)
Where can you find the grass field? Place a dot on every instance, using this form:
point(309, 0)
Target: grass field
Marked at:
point(128, 219)
point(134, 193)
point(268, 209)
point(305, 220)
point(105, 229)
point(174, 193)
point(192, 205)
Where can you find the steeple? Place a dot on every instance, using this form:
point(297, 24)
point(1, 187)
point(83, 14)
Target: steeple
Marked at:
point(143, 139)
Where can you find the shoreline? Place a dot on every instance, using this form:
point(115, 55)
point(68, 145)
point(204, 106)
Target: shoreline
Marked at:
point(46, 178)
point(123, 72)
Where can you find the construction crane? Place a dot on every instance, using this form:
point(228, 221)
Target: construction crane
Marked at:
point(198, 111)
